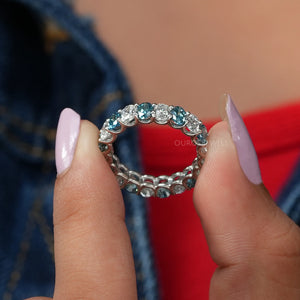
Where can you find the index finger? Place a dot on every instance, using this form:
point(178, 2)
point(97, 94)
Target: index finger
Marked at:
point(93, 256)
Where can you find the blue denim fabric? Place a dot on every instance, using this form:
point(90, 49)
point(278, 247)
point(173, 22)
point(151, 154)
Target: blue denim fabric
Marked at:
point(35, 85)
point(289, 198)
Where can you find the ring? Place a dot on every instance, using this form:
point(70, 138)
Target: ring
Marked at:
point(175, 116)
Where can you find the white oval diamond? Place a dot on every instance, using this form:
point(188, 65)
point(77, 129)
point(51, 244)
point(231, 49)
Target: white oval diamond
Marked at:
point(193, 124)
point(147, 192)
point(105, 136)
point(162, 115)
point(120, 180)
point(128, 115)
point(178, 189)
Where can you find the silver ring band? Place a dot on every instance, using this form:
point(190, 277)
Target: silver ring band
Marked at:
point(175, 116)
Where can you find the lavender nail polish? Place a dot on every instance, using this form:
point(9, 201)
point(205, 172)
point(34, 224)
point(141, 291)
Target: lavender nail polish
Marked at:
point(66, 139)
point(245, 149)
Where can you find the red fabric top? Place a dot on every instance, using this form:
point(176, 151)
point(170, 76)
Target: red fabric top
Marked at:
point(181, 253)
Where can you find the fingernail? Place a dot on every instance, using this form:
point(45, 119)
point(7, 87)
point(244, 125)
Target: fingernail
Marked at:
point(241, 138)
point(66, 139)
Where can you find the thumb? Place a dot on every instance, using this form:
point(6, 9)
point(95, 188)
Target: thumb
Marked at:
point(255, 245)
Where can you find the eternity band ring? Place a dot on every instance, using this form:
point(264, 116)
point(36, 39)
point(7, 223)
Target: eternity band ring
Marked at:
point(145, 113)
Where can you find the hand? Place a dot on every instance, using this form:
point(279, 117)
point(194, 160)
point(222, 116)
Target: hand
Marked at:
point(256, 246)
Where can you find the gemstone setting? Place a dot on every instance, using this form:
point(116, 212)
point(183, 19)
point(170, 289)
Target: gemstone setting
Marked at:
point(178, 189)
point(178, 116)
point(190, 183)
point(105, 136)
point(203, 129)
point(200, 139)
point(162, 114)
point(120, 180)
point(163, 192)
point(131, 188)
point(144, 111)
point(147, 192)
point(113, 123)
point(103, 147)
point(193, 125)
point(128, 115)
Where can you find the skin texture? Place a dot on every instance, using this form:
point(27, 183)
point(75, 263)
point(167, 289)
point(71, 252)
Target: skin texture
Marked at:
point(256, 246)
point(192, 52)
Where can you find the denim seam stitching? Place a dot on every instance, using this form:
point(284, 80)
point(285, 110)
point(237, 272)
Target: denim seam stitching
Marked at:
point(45, 231)
point(48, 132)
point(27, 126)
point(33, 151)
point(40, 152)
point(106, 99)
point(16, 273)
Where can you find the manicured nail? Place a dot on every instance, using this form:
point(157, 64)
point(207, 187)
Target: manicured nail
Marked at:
point(240, 136)
point(66, 139)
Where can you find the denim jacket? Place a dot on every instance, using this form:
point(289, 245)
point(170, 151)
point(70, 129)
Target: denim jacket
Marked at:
point(50, 59)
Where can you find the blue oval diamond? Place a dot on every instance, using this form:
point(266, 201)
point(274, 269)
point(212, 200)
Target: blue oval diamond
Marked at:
point(203, 130)
point(144, 111)
point(113, 123)
point(163, 192)
point(190, 183)
point(201, 139)
point(178, 115)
